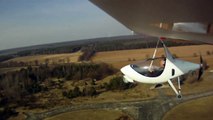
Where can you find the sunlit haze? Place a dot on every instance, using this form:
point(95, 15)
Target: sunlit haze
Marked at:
point(32, 22)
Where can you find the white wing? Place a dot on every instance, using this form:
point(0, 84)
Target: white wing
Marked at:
point(162, 17)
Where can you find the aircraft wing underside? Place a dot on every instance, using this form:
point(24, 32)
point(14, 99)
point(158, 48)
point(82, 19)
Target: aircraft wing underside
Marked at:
point(177, 19)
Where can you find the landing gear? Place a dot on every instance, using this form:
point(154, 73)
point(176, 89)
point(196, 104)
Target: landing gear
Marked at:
point(178, 93)
point(179, 96)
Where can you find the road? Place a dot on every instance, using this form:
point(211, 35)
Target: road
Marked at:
point(153, 109)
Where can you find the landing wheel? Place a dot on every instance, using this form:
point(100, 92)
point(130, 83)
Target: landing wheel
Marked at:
point(179, 96)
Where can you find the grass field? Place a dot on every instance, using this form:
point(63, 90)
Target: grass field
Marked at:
point(5, 70)
point(124, 57)
point(90, 115)
point(52, 58)
point(42, 59)
point(200, 109)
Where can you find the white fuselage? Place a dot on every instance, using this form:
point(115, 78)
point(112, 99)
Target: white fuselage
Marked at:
point(147, 72)
point(173, 68)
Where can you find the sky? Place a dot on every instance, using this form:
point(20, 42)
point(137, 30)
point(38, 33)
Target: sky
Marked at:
point(33, 22)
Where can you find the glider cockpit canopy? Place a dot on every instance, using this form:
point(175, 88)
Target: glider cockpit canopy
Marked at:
point(154, 70)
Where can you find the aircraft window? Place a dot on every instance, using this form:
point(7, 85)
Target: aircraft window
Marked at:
point(173, 72)
point(155, 70)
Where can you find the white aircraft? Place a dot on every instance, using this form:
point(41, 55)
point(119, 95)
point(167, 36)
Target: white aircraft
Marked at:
point(176, 19)
point(160, 70)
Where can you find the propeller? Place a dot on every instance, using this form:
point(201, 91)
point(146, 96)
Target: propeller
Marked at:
point(201, 68)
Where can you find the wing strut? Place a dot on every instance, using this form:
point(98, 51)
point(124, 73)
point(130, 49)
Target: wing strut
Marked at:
point(154, 54)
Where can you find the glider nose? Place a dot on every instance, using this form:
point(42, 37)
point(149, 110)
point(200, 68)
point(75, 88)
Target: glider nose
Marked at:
point(125, 69)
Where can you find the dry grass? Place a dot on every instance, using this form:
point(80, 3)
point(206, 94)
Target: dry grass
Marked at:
point(11, 69)
point(89, 115)
point(200, 109)
point(121, 58)
point(53, 58)
point(193, 88)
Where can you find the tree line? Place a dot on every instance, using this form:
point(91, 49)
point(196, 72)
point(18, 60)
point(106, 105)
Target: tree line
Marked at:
point(98, 45)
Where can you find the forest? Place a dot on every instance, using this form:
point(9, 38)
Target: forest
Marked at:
point(18, 87)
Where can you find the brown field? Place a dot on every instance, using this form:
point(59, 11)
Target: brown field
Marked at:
point(53, 58)
point(89, 115)
point(200, 109)
point(121, 58)
point(5, 70)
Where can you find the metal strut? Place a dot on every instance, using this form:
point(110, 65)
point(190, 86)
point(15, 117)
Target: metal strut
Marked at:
point(179, 88)
point(178, 93)
point(154, 54)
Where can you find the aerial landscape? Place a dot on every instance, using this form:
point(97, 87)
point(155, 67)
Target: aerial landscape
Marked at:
point(86, 77)
point(44, 82)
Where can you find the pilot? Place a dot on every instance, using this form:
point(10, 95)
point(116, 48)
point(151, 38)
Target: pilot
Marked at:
point(162, 62)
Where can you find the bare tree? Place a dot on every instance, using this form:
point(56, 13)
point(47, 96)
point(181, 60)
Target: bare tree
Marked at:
point(36, 62)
